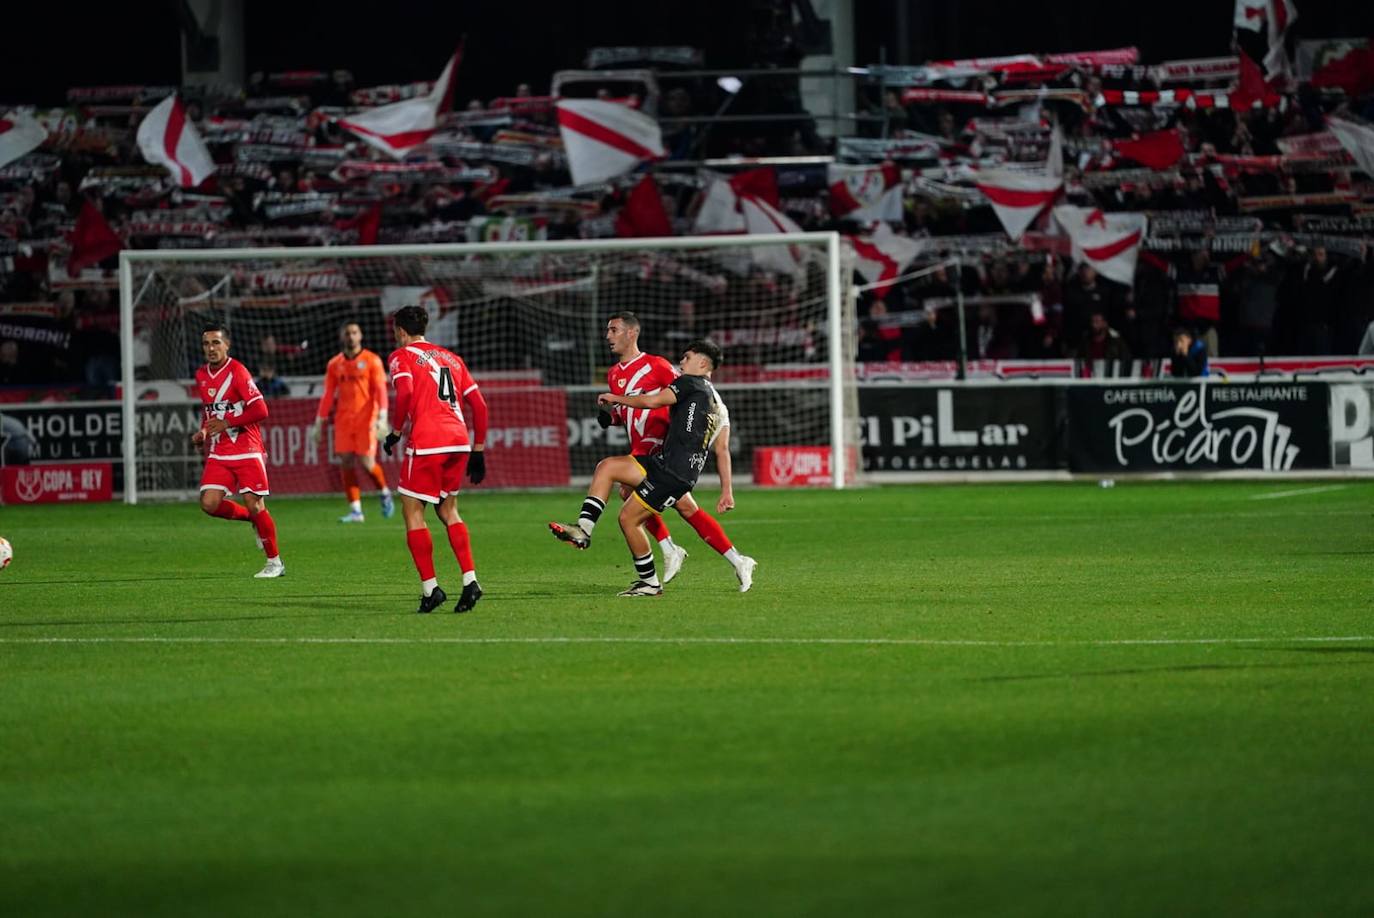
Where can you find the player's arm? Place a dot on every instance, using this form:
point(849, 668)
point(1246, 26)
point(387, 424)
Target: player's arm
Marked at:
point(403, 381)
point(607, 415)
point(726, 470)
point(652, 400)
point(380, 398)
point(326, 403)
point(477, 407)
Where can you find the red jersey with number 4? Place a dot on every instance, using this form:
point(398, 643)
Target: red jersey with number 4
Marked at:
point(643, 375)
point(225, 393)
point(435, 383)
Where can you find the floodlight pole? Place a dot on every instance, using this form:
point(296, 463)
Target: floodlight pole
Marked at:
point(962, 372)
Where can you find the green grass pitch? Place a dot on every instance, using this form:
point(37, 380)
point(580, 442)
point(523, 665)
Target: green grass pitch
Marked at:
point(939, 700)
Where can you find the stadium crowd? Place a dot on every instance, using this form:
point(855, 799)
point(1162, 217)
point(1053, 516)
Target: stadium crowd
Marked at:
point(1260, 221)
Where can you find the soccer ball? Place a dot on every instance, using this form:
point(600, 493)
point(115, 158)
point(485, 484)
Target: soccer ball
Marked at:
point(6, 553)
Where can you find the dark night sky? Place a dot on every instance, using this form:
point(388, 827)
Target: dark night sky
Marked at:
point(382, 42)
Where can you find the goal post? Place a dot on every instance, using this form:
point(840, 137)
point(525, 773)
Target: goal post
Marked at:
point(528, 317)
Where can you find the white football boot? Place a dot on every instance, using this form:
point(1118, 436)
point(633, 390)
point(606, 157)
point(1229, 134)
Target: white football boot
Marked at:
point(745, 572)
point(274, 568)
point(672, 561)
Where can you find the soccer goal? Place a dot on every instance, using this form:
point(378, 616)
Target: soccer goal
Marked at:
point(529, 319)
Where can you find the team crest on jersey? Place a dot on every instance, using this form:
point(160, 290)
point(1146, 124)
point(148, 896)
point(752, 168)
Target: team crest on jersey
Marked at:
point(361, 365)
point(620, 383)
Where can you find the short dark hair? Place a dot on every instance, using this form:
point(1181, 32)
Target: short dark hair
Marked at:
point(413, 320)
point(708, 349)
point(347, 322)
point(630, 319)
point(220, 327)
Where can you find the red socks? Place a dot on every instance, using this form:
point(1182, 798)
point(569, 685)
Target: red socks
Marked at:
point(657, 529)
point(230, 510)
point(706, 526)
point(462, 548)
point(422, 550)
point(267, 531)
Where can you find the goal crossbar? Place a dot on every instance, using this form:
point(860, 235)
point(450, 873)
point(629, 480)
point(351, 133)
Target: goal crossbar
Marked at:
point(830, 242)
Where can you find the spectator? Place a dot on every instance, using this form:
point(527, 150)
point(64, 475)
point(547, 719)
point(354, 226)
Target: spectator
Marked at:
point(1257, 304)
point(1190, 356)
point(10, 374)
point(269, 383)
point(1102, 342)
point(1084, 294)
point(1316, 308)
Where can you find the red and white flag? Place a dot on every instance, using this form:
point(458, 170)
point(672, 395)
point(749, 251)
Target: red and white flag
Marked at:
point(168, 138)
point(763, 219)
point(606, 139)
point(643, 213)
point(398, 128)
point(865, 193)
point(1358, 140)
point(19, 133)
point(1019, 196)
point(880, 256)
point(1108, 242)
point(720, 205)
point(1261, 28)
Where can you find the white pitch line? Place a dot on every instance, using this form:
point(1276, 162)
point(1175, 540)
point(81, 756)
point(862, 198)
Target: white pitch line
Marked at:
point(1296, 491)
point(858, 641)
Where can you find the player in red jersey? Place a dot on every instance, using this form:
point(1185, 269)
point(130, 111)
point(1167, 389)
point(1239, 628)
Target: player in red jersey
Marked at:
point(431, 386)
point(236, 462)
point(638, 373)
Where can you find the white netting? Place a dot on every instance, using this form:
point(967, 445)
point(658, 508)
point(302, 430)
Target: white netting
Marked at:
point(529, 320)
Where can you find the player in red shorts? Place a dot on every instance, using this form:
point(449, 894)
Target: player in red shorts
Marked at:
point(236, 462)
point(638, 373)
point(431, 386)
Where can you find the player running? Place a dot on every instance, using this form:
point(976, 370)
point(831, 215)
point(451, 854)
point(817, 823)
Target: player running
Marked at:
point(431, 384)
point(357, 377)
point(666, 477)
point(638, 373)
point(236, 462)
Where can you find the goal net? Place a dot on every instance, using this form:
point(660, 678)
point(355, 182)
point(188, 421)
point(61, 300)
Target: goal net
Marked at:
point(528, 318)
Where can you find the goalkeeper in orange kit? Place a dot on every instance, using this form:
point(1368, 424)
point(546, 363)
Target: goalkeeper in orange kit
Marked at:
point(358, 378)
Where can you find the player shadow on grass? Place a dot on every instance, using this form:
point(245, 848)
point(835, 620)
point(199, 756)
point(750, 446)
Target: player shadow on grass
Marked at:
point(1162, 670)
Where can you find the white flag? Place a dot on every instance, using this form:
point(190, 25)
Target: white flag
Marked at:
point(880, 256)
point(1108, 242)
point(762, 218)
point(606, 139)
point(1019, 196)
point(19, 133)
point(398, 128)
point(1358, 140)
point(168, 138)
point(865, 193)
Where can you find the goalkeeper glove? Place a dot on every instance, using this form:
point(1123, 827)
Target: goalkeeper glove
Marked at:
point(317, 430)
point(389, 444)
point(603, 417)
point(477, 467)
point(383, 425)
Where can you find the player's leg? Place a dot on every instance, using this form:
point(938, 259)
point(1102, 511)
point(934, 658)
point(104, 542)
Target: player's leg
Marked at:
point(252, 480)
point(374, 470)
point(216, 484)
point(623, 469)
point(711, 532)
point(348, 471)
point(458, 538)
point(633, 515)
point(657, 528)
point(420, 485)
